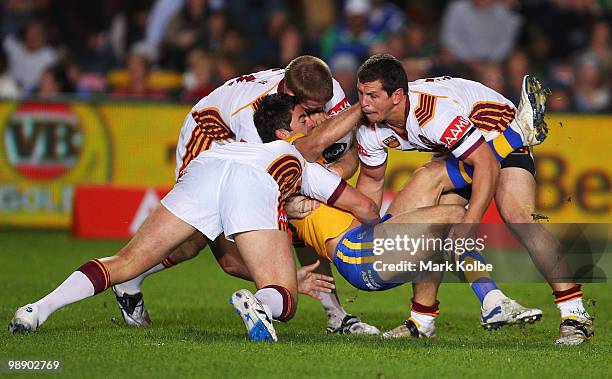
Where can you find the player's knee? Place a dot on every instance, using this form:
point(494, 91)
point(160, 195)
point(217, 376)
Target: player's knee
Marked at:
point(516, 215)
point(428, 176)
point(230, 267)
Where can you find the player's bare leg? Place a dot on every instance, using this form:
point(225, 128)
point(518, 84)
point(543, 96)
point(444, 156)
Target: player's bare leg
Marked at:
point(161, 233)
point(268, 255)
point(497, 309)
point(424, 308)
point(338, 320)
point(423, 189)
point(129, 294)
point(428, 187)
point(515, 198)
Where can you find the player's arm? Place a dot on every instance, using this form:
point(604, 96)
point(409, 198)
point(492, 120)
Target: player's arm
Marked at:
point(371, 181)
point(467, 143)
point(327, 187)
point(331, 130)
point(361, 206)
point(484, 182)
point(346, 166)
point(373, 157)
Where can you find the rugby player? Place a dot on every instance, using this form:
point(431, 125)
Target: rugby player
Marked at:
point(226, 115)
point(209, 199)
point(456, 117)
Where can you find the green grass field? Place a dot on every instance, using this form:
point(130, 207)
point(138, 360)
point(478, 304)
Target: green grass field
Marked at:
point(196, 333)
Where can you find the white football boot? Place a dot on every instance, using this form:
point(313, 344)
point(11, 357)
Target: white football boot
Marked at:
point(531, 109)
point(25, 320)
point(256, 316)
point(351, 324)
point(411, 328)
point(576, 330)
point(507, 312)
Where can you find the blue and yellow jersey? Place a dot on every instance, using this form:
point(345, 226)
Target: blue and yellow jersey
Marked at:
point(321, 225)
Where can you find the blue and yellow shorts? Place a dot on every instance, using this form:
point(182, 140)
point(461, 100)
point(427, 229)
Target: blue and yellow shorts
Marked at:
point(502, 146)
point(354, 259)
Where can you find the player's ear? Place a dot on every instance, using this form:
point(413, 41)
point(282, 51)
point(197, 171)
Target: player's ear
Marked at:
point(397, 96)
point(282, 133)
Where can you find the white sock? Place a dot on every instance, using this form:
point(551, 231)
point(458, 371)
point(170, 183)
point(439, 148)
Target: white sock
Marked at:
point(572, 308)
point(421, 319)
point(272, 299)
point(333, 308)
point(492, 297)
point(76, 287)
point(132, 287)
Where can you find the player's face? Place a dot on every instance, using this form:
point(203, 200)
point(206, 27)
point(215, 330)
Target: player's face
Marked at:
point(375, 103)
point(299, 120)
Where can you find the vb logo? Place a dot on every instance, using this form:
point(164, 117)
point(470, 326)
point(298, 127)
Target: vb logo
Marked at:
point(43, 141)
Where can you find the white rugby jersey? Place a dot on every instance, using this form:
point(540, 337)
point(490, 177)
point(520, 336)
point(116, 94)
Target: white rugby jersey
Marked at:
point(284, 163)
point(443, 114)
point(226, 115)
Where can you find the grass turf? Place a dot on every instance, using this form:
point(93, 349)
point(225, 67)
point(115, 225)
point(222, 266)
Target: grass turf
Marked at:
point(196, 333)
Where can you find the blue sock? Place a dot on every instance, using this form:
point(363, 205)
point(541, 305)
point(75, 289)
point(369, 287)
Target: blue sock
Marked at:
point(480, 285)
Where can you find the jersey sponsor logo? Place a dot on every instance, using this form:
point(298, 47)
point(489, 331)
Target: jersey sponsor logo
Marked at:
point(391, 142)
point(426, 109)
point(362, 151)
point(334, 152)
point(339, 108)
point(455, 131)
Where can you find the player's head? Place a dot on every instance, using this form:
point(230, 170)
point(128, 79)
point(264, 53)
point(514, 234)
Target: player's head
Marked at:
point(309, 79)
point(279, 116)
point(382, 84)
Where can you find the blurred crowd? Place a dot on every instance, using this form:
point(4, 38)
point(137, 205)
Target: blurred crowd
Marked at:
point(183, 49)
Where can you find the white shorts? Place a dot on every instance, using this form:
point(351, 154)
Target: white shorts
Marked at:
point(217, 196)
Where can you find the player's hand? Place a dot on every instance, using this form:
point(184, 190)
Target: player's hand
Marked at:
point(317, 119)
point(309, 282)
point(459, 233)
point(298, 206)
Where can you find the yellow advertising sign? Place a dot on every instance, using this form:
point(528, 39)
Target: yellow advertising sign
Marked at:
point(46, 149)
point(144, 138)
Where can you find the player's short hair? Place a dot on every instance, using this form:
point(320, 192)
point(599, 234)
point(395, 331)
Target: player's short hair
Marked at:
point(309, 78)
point(387, 69)
point(274, 112)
